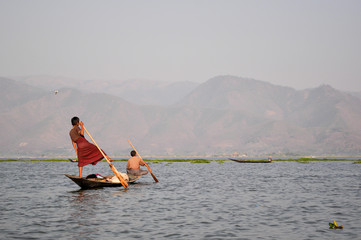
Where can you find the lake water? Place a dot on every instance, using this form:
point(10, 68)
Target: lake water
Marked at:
point(281, 200)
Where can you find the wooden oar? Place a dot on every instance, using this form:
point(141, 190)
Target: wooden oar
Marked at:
point(155, 179)
point(115, 171)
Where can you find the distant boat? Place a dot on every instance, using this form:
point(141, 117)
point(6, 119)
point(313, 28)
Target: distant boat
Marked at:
point(250, 161)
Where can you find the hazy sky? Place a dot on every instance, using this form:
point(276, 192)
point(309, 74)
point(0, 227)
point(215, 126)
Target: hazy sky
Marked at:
point(301, 44)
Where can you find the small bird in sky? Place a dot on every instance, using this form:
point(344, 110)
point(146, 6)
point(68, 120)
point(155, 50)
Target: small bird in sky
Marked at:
point(56, 92)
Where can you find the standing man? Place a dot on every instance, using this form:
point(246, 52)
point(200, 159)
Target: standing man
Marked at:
point(134, 163)
point(87, 153)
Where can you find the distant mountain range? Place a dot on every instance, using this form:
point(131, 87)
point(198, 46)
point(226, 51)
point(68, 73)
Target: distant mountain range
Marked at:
point(137, 91)
point(225, 115)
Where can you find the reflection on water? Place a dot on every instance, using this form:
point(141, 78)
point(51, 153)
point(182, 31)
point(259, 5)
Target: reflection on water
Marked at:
point(191, 201)
point(82, 213)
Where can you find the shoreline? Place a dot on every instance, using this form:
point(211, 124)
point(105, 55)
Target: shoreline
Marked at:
point(194, 160)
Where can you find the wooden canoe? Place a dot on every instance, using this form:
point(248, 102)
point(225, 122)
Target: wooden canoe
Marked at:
point(250, 161)
point(97, 182)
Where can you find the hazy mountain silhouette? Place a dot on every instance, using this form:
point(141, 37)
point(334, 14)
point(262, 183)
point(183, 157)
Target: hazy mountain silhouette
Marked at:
point(221, 116)
point(137, 91)
point(13, 93)
point(320, 120)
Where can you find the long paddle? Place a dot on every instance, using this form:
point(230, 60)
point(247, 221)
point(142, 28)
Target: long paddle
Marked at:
point(115, 171)
point(155, 179)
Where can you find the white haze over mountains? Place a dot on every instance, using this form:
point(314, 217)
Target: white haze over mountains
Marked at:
point(299, 43)
point(138, 91)
point(221, 117)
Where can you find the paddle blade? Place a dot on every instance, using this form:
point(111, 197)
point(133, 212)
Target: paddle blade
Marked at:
point(121, 179)
point(155, 179)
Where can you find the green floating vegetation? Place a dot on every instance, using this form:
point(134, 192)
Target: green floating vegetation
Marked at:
point(8, 160)
point(56, 160)
point(335, 226)
point(169, 161)
point(118, 160)
point(196, 160)
point(34, 160)
point(177, 160)
point(304, 160)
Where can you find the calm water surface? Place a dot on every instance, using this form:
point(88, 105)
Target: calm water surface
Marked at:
point(282, 200)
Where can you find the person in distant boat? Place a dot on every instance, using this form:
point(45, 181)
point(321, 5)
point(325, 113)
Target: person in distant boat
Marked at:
point(87, 153)
point(134, 163)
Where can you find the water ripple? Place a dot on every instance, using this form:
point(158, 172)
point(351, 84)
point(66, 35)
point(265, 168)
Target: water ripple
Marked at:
point(191, 201)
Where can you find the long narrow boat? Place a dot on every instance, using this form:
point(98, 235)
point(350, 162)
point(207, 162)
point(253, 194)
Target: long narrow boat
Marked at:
point(250, 161)
point(85, 183)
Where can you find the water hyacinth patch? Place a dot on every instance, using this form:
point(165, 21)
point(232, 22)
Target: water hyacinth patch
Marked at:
point(335, 226)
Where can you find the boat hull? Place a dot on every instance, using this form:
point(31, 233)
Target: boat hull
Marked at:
point(84, 183)
point(250, 161)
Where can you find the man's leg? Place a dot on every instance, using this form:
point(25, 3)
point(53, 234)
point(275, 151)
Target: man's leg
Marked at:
point(137, 172)
point(143, 172)
point(80, 171)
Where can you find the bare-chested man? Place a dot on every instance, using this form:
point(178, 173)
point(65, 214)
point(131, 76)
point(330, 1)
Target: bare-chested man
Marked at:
point(134, 163)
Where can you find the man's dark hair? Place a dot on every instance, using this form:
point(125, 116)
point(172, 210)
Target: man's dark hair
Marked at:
point(74, 121)
point(133, 153)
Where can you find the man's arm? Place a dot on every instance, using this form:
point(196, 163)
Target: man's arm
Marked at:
point(141, 162)
point(74, 145)
point(82, 128)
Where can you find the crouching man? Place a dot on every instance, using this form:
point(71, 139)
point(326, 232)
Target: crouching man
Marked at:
point(134, 163)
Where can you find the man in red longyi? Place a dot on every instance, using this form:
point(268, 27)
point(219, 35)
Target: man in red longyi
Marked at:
point(87, 153)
